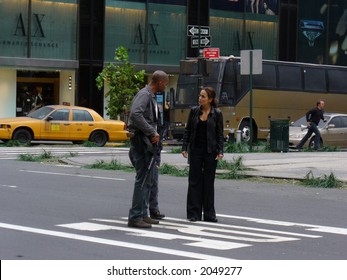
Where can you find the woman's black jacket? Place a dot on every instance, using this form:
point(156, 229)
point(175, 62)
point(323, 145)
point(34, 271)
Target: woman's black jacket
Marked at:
point(215, 137)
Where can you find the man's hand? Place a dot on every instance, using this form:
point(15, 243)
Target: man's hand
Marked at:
point(155, 138)
point(219, 157)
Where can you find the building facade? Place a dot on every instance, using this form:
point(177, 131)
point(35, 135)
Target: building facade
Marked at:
point(62, 45)
point(38, 48)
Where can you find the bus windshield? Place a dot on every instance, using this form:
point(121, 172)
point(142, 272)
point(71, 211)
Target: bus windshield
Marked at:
point(219, 75)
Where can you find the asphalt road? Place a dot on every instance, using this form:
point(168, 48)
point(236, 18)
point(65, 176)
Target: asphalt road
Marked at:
point(53, 211)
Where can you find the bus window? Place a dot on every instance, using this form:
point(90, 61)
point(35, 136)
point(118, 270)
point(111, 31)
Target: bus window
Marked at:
point(315, 79)
point(337, 80)
point(267, 79)
point(213, 77)
point(212, 80)
point(227, 94)
point(186, 95)
point(289, 77)
point(186, 92)
point(223, 98)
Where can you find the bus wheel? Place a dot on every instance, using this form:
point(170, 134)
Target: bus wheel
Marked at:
point(245, 131)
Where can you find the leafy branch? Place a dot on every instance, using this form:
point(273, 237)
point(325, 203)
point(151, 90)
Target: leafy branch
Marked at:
point(123, 81)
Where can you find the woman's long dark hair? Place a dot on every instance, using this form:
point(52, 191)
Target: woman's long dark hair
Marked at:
point(211, 93)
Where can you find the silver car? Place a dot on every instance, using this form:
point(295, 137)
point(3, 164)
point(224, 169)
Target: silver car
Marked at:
point(333, 131)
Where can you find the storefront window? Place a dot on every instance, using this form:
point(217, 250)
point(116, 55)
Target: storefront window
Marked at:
point(267, 7)
point(153, 33)
point(322, 35)
point(14, 28)
point(244, 24)
point(38, 29)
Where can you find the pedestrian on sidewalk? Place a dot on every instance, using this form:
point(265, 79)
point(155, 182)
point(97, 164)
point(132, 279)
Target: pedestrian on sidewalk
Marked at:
point(313, 117)
point(143, 125)
point(203, 143)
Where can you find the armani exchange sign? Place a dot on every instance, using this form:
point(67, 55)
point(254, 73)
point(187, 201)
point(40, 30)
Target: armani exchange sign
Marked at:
point(37, 22)
point(21, 37)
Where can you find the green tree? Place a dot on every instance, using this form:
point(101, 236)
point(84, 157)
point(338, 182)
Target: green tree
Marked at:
point(123, 81)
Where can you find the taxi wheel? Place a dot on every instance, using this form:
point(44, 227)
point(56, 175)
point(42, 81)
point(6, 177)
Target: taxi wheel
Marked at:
point(23, 136)
point(99, 138)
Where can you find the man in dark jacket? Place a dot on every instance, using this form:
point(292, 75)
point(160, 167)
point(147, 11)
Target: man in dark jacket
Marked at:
point(313, 117)
point(143, 121)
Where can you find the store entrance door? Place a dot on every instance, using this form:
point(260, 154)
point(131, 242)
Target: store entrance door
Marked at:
point(36, 89)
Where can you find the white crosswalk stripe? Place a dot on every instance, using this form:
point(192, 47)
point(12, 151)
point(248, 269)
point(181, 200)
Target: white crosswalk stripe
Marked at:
point(215, 236)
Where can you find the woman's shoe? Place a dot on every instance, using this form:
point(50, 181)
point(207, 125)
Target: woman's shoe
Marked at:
point(192, 219)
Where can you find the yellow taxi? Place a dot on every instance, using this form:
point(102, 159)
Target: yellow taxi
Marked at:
point(63, 123)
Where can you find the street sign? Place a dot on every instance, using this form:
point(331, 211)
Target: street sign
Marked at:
point(205, 41)
point(211, 52)
point(257, 62)
point(193, 30)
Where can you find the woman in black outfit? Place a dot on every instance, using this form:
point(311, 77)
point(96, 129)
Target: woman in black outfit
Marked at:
point(203, 139)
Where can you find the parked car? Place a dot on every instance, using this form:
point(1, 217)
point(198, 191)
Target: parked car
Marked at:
point(333, 131)
point(63, 123)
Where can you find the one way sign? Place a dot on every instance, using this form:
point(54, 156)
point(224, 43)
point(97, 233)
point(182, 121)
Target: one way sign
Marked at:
point(193, 30)
point(204, 41)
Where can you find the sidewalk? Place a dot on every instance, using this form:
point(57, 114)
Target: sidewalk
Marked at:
point(291, 165)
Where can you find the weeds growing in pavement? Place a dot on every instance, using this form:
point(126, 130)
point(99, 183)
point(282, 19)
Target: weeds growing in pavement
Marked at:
point(233, 170)
point(112, 165)
point(45, 156)
point(324, 148)
point(176, 150)
point(233, 147)
point(228, 165)
point(73, 154)
point(173, 170)
point(325, 181)
point(27, 157)
point(115, 165)
point(14, 143)
point(242, 147)
point(89, 144)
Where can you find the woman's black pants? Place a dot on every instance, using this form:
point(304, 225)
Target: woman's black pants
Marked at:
point(200, 196)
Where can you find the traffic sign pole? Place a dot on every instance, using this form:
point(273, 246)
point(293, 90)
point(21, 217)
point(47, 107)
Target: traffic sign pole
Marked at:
point(251, 100)
point(251, 64)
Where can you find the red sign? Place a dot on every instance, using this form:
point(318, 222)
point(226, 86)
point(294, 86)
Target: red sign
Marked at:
point(211, 52)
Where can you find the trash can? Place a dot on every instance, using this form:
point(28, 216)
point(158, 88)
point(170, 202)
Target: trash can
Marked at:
point(231, 136)
point(279, 135)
